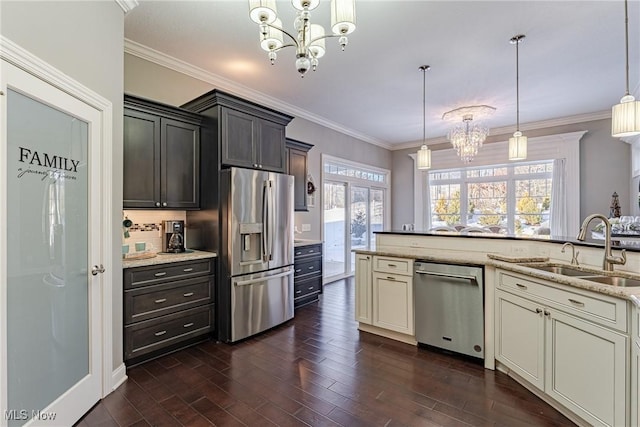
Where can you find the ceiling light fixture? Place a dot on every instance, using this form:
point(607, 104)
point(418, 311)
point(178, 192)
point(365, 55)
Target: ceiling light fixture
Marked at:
point(625, 116)
point(518, 142)
point(424, 154)
point(467, 137)
point(310, 38)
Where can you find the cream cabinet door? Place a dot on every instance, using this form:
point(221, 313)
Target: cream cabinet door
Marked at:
point(364, 288)
point(520, 336)
point(585, 369)
point(393, 302)
point(635, 368)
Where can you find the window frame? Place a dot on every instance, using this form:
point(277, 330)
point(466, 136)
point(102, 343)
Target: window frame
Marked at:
point(510, 179)
point(559, 146)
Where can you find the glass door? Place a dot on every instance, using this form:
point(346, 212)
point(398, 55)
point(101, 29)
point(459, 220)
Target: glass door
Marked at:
point(52, 227)
point(335, 230)
point(359, 220)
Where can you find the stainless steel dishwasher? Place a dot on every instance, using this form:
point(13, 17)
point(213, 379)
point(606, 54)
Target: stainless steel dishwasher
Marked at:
point(449, 307)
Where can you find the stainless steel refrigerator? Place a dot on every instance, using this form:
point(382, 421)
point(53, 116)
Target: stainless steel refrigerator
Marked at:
point(256, 263)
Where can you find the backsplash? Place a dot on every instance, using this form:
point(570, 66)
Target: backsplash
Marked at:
point(147, 227)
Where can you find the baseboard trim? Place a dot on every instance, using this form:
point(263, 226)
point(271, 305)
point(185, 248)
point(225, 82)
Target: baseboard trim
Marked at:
point(118, 377)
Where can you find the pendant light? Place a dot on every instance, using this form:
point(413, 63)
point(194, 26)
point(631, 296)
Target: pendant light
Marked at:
point(424, 154)
point(625, 116)
point(518, 142)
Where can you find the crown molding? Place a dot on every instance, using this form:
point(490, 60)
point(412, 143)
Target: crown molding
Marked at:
point(148, 54)
point(542, 124)
point(127, 5)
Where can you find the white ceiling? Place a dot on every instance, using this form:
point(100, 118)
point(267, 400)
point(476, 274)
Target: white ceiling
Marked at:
point(571, 62)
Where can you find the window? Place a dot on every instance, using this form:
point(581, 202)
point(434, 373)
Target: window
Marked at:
point(515, 197)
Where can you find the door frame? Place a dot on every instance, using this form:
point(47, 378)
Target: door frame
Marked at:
point(350, 182)
point(21, 58)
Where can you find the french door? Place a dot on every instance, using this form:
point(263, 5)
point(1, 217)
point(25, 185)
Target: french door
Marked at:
point(50, 218)
point(352, 213)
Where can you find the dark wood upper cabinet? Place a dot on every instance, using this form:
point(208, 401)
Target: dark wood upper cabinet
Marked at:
point(298, 167)
point(248, 135)
point(161, 156)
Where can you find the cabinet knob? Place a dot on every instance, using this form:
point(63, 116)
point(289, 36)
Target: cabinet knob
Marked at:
point(538, 310)
point(255, 165)
point(164, 204)
point(260, 166)
point(157, 204)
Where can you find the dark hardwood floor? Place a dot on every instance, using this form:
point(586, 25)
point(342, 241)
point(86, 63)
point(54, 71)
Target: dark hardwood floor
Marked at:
point(318, 370)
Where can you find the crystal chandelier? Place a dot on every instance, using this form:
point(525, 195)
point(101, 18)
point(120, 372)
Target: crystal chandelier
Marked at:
point(310, 38)
point(625, 116)
point(467, 137)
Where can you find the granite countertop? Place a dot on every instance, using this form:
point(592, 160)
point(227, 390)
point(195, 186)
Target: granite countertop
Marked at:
point(514, 264)
point(618, 242)
point(166, 258)
point(305, 242)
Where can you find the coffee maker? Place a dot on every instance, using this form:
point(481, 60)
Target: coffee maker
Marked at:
point(173, 236)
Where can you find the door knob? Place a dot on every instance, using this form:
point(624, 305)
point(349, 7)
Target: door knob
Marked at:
point(95, 270)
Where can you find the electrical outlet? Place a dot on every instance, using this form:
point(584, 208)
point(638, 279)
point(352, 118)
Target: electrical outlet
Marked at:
point(306, 227)
point(519, 250)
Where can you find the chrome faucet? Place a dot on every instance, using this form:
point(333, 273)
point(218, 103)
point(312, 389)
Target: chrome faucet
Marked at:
point(609, 260)
point(574, 253)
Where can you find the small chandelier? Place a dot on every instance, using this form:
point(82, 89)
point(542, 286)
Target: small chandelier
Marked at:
point(518, 142)
point(424, 154)
point(310, 38)
point(625, 116)
point(467, 137)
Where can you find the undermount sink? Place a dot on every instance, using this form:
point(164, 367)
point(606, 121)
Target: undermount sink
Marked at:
point(590, 275)
point(623, 282)
point(565, 271)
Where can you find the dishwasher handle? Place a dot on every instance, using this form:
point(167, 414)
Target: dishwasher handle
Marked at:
point(455, 276)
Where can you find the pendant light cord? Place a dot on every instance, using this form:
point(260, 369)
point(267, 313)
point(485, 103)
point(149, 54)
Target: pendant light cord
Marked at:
point(424, 105)
point(517, 87)
point(626, 40)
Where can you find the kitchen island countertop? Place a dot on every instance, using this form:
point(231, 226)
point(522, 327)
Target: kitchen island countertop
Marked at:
point(166, 258)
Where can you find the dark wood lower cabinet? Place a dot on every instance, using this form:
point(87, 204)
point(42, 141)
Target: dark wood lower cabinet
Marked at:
point(166, 307)
point(307, 278)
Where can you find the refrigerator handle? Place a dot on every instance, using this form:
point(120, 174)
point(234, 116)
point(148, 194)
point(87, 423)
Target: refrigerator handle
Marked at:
point(271, 220)
point(265, 225)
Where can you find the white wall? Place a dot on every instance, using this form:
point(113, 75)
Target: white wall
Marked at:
point(85, 40)
point(605, 167)
point(152, 81)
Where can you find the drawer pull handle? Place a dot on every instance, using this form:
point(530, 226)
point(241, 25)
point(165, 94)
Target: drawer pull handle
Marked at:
point(298, 253)
point(298, 292)
point(160, 301)
point(160, 274)
point(310, 288)
point(521, 286)
point(187, 325)
point(186, 270)
point(298, 270)
point(391, 278)
point(158, 334)
point(311, 268)
point(188, 294)
point(576, 302)
point(392, 266)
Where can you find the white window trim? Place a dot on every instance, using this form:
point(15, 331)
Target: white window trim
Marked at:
point(559, 146)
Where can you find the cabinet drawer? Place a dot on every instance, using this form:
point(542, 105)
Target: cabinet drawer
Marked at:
point(305, 251)
point(312, 266)
point(153, 301)
point(306, 287)
point(602, 309)
point(144, 276)
point(393, 265)
point(145, 337)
